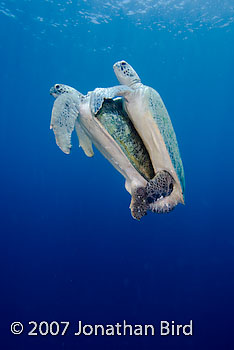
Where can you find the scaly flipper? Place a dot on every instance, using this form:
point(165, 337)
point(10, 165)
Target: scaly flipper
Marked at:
point(100, 94)
point(64, 114)
point(84, 140)
point(160, 193)
point(139, 205)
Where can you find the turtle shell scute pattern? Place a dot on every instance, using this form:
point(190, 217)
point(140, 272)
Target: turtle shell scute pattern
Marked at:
point(118, 125)
point(164, 124)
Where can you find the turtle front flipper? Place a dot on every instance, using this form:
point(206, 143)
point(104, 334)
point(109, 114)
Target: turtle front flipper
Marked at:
point(100, 94)
point(84, 140)
point(64, 114)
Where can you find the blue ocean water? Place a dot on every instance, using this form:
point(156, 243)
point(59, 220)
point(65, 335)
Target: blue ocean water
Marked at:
point(70, 249)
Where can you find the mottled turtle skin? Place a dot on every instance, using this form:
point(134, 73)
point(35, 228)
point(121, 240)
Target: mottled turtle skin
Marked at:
point(99, 118)
point(149, 116)
point(115, 120)
point(163, 121)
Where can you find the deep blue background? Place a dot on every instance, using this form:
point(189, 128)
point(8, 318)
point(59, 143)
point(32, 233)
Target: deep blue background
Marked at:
point(70, 249)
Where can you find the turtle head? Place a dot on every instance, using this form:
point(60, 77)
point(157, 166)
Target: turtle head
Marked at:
point(125, 74)
point(59, 89)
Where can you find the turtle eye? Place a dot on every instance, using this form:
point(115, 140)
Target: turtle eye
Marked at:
point(57, 86)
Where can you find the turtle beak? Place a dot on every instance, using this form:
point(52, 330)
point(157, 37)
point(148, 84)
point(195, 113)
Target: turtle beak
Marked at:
point(116, 65)
point(119, 64)
point(53, 92)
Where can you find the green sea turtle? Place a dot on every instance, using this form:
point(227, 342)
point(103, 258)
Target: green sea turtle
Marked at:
point(100, 120)
point(148, 113)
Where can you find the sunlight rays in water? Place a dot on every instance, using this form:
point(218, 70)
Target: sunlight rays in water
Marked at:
point(179, 17)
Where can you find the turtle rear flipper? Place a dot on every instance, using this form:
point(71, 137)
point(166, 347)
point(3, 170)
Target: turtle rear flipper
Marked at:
point(139, 205)
point(162, 193)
